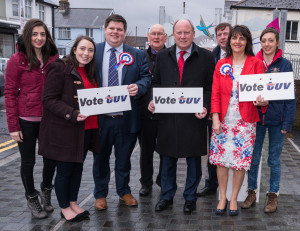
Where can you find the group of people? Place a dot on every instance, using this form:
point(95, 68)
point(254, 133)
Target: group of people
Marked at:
point(42, 104)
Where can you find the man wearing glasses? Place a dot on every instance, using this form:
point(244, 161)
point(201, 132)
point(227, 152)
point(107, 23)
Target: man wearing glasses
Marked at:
point(147, 137)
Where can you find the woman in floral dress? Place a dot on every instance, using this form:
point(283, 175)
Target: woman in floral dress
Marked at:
point(234, 122)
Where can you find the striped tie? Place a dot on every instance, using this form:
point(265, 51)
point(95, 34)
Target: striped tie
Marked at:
point(112, 72)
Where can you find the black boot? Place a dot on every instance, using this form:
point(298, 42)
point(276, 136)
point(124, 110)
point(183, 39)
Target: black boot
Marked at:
point(46, 198)
point(35, 207)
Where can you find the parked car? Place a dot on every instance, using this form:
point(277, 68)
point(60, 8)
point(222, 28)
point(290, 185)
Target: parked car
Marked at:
point(1, 83)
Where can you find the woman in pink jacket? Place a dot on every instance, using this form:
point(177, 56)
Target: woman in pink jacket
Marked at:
point(24, 84)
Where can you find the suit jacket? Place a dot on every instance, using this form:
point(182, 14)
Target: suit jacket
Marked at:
point(222, 86)
point(182, 134)
point(144, 101)
point(138, 73)
point(217, 52)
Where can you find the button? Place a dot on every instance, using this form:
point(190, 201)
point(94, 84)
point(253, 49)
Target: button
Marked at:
point(68, 116)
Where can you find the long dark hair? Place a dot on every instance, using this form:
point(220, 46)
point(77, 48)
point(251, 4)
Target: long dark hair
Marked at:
point(244, 31)
point(47, 49)
point(90, 68)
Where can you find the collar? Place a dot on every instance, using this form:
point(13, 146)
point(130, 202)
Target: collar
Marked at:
point(108, 47)
point(261, 57)
point(189, 50)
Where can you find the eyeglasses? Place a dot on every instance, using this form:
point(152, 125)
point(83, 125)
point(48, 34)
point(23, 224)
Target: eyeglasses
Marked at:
point(157, 34)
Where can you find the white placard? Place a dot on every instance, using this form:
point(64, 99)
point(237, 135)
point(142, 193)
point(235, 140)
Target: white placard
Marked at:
point(178, 100)
point(271, 86)
point(95, 101)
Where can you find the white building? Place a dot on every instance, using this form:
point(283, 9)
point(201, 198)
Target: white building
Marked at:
point(10, 23)
point(72, 22)
point(257, 14)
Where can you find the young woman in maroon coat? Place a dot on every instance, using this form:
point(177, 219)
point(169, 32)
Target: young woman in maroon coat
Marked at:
point(65, 134)
point(24, 85)
point(234, 122)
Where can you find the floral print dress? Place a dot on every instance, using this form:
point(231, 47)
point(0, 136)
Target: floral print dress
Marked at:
point(233, 147)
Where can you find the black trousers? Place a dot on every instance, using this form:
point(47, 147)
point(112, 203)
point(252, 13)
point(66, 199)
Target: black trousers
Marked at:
point(27, 149)
point(67, 182)
point(147, 140)
point(212, 181)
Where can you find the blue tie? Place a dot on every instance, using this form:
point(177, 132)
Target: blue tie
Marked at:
point(112, 72)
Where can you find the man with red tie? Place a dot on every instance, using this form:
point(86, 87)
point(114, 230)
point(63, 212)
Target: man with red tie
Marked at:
point(182, 135)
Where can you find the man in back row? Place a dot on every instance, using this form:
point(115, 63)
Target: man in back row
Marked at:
point(222, 32)
point(147, 137)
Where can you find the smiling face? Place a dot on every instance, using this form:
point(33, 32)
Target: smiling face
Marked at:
point(157, 37)
point(238, 43)
point(38, 37)
point(114, 33)
point(183, 34)
point(269, 44)
point(84, 52)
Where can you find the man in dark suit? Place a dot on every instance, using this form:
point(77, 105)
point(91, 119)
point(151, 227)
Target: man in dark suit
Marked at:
point(182, 135)
point(118, 130)
point(147, 137)
point(222, 31)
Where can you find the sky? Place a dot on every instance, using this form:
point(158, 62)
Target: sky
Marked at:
point(144, 13)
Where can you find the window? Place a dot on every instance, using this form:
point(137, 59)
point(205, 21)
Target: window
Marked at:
point(89, 32)
point(62, 51)
point(64, 33)
point(28, 8)
point(15, 7)
point(291, 31)
point(42, 12)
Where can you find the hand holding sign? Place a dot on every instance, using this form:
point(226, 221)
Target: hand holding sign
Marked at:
point(151, 107)
point(133, 89)
point(201, 115)
point(260, 101)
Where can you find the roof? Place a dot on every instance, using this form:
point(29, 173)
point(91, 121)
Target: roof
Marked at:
point(47, 2)
point(268, 4)
point(134, 41)
point(82, 17)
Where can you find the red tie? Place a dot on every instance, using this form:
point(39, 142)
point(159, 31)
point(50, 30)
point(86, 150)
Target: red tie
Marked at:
point(181, 64)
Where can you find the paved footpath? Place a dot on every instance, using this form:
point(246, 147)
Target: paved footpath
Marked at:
point(14, 214)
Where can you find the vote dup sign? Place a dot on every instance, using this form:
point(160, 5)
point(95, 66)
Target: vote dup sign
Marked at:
point(178, 100)
point(103, 100)
point(271, 86)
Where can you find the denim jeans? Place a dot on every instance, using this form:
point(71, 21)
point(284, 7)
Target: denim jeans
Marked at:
point(67, 182)
point(275, 148)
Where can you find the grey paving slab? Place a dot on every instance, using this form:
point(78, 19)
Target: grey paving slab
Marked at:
point(14, 214)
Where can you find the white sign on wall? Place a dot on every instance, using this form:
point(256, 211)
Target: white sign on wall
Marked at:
point(271, 86)
point(178, 100)
point(95, 101)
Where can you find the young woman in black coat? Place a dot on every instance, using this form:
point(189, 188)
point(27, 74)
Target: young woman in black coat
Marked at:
point(66, 134)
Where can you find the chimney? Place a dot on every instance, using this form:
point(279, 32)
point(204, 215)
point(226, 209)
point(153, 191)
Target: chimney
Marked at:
point(64, 6)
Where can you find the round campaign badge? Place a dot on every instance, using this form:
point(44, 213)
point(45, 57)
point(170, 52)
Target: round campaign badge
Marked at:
point(225, 68)
point(126, 58)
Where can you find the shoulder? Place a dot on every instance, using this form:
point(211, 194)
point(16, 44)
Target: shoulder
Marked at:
point(216, 50)
point(254, 60)
point(58, 64)
point(204, 51)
